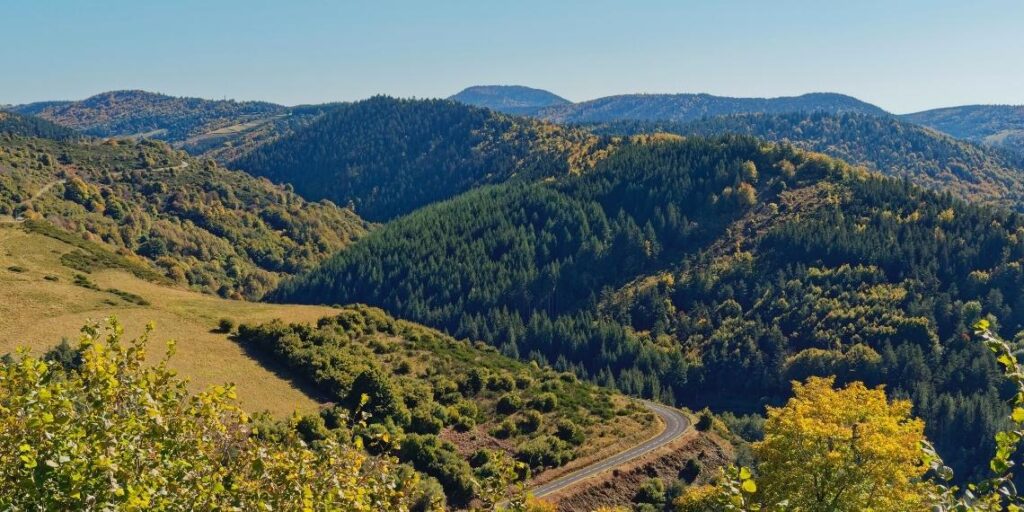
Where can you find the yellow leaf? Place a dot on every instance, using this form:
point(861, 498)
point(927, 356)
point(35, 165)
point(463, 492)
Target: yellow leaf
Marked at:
point(749, 486)
point(1018, 415)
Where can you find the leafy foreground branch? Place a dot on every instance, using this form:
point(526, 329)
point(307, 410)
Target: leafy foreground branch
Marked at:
point(853, 450)
point(112, 432)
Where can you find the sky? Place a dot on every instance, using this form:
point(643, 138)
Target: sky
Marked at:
point(903, 55)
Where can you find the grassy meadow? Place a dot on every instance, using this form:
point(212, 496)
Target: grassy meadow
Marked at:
point(40, 303)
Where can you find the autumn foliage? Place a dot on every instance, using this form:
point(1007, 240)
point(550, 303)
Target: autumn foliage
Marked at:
point(116, 433)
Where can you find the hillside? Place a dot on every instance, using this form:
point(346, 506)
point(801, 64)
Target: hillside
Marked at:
point(448, 399)
point(42, 301)
point(141, 113)
point(219, 129)
point(884, 144)
point(12, 123)
point(387, 156)
point(1000, 126)
point(189, 221)
point(689, 107)
point(510, 99)
point(712, 272)
point(231, 141)
point(455, 396)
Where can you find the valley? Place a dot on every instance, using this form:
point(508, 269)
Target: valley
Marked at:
point(604, 301)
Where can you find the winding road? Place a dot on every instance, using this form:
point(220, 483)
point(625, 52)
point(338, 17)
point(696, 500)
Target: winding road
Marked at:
point(676, 424)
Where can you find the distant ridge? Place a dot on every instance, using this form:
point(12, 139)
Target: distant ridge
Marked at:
point(691, 107)
point(683, 107)
point(1000, 126)
point(510, 99)
point(149, 114)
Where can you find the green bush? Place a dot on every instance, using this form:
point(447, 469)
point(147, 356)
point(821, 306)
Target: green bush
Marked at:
point(704, 421)
point(505, 429)
point(501, 382)
point(570, 432)
point(544, 402)
point(529, 422)
point(544, 451)
point(509, 403)
point(225, 325)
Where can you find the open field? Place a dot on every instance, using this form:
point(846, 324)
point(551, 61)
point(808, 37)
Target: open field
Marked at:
point(40, 303)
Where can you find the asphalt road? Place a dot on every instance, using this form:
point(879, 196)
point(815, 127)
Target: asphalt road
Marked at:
point(676, 423)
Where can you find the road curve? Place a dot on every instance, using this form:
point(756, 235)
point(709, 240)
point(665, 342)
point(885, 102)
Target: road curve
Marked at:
point(676, 423)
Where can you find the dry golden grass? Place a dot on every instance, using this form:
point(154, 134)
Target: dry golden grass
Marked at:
point(37, 312)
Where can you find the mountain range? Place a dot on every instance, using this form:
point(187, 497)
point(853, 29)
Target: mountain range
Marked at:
point(999, 126)
point(696, 250)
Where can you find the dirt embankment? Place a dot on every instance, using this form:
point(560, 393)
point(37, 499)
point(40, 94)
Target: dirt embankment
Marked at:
point(668, 463)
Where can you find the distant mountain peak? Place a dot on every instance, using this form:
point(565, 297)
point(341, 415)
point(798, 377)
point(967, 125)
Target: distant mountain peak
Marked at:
point(512, 99)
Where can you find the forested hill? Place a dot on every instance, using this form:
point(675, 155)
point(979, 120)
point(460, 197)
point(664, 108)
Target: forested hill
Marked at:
point(511, 99)
point(132, 113)
point(12, 123)
point(885, 144)
point(995, 125)
point(185, 220)
point(712, 272)
point(689, 107)
point(390, 156)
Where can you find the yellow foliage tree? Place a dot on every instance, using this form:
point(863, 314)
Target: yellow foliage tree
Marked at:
point(116, 433)
point(841, 450)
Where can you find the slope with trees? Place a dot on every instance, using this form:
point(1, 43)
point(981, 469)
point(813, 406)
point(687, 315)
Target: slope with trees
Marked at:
point(29, 126)
point(439, 403)
point(107, 430)
point(885, 144)
point(135, 113)
point(1001, 126)
point(712, 272)
point(387, 156)
point(193, 221)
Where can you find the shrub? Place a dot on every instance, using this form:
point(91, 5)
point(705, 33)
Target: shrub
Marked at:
point(543, 451)
point(509, 403)
point(403, 368)
point(690, 471)
point(529, 421)
point(652, 491)
point(544, 402)
point(312, 428)
point(427, 454)
point(501, 382)
point(423, 421)
point(704, 421)
point(473, 383)
point(479, 458)
point(570, 432)
point(225, 325)
point(505, 429)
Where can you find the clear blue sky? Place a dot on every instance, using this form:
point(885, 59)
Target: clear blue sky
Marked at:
point(903, 55)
